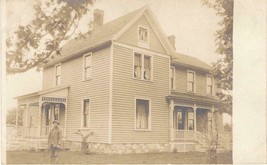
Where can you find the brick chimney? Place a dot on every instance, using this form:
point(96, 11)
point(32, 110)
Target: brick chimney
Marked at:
point(98, 17)
point(172, 41)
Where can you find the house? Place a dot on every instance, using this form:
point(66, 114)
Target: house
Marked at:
point(125, 82)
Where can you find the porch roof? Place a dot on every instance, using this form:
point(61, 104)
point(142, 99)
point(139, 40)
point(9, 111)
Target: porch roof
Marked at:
point(38, 93)
point(192, 97)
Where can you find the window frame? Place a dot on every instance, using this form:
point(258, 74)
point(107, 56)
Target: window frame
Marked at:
point(149, 113)
point(194, 82)
point(143, 66)
point(56, 76)
point(142, 43)
point(82, 113)
point(172, 70)
point(84, 66)
point(212, 85)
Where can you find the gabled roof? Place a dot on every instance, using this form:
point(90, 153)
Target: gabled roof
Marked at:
point(97, 36)
point(109, 31)
point(185, 60)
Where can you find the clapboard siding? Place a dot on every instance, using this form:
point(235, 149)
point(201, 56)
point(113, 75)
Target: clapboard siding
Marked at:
point(201, 82)
point(131, 36)
point(96, 89)
point(126, 89)
point(49, 77)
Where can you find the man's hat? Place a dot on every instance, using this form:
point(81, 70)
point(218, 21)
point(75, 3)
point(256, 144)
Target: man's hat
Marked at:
point(55, 121)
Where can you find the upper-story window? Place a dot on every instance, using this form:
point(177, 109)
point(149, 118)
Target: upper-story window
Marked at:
point(58, 74)
point(172, 77)
point(87, 66)
point(85, 113)
point(142, 66)
point(143, 36)
point(191, 81)
point(209, 85)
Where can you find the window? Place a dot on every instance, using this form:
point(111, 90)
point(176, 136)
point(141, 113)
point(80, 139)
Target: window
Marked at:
point(143, 37)
point(85, 113)
point(190, 81)
point(190, 120)
point(142, 66)
point(147, 67)
point(87, 66)
point(142, 114)
point(172, 77)
point(58, 75)
point(137, 65)
point(209, 85)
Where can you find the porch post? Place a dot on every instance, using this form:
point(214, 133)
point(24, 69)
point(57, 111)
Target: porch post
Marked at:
point(171, 119)
point(212, 118)
point(195, 119)
point(39, 118)
point(17, 116)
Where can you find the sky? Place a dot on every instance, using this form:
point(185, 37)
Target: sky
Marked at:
point(192, 23)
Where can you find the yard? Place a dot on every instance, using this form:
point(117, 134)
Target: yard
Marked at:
point(68, 157)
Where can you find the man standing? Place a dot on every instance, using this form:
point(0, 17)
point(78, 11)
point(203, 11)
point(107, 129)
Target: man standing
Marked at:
point(54, 139)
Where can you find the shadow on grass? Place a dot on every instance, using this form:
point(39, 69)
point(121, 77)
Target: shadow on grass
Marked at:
point(71, 157)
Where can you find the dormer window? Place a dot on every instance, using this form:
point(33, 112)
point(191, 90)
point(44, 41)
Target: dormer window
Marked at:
point(58, 74)
point(143, 37)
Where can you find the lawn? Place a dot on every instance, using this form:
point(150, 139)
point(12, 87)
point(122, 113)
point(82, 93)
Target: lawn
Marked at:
point(68, 157)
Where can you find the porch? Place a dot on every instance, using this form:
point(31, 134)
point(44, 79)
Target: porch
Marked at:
point(192, 120)
point(40, 109)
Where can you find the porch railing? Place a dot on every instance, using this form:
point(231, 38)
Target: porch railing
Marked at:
point(184, 134)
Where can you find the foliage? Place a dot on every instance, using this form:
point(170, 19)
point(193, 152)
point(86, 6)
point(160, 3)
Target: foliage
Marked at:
point(11, 116)
point(223, 68)
point(211, 137)
point(85, 136)
point(55, 22)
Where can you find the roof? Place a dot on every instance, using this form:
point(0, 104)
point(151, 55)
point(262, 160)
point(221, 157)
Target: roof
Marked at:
point(191, 97)
point(102, 34)
point(190, 61)
point(42, 92)
point(97, 36)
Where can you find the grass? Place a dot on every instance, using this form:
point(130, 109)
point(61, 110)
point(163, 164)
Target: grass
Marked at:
point(69, 157)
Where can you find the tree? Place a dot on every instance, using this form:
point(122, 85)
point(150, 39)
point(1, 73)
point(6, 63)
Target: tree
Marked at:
point(55, 22)
point(223, 68)
point(11, 116)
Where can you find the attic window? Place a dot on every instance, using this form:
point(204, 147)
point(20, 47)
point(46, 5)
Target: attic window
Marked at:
point(143, 37)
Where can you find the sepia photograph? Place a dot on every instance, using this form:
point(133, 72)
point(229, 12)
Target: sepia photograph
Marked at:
point(119, 82)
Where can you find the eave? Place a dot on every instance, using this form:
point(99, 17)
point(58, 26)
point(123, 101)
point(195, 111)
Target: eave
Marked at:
point(194, 98)
point(187, 66)
point(78, 54)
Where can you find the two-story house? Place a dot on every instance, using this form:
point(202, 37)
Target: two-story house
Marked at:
point(125, 82)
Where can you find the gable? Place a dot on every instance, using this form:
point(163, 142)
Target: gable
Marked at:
point(131, 36)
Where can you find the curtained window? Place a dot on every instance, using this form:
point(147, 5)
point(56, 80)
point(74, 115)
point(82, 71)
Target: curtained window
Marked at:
point(142, 114)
